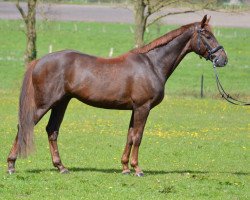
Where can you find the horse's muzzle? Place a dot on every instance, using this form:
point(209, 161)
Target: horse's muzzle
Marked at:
point(220, 59)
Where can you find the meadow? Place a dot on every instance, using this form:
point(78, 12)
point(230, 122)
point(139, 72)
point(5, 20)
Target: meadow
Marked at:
point(193, 148)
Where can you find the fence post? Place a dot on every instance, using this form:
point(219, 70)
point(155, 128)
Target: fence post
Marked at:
point(111, 52)
point(50, 48)
point(202, 86)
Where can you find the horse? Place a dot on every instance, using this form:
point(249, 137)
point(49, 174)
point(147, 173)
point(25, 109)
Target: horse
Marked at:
point(133, 81)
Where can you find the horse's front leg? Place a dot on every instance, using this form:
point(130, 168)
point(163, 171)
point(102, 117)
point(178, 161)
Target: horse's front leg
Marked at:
point(140, 116)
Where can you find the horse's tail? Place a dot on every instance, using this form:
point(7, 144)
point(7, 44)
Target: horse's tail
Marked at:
point(26, 114)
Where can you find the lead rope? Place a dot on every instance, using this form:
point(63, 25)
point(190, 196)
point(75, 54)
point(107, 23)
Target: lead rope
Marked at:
point(225, 95)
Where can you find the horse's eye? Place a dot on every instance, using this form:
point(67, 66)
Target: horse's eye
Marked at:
point(208, 37)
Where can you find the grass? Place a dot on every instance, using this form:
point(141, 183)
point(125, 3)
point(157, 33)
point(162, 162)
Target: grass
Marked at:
point(192, 148)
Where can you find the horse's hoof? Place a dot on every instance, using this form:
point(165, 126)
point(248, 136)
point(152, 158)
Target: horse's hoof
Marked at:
point(139, 174)
point(126, 172)
point(64, 171)
point(11, 171)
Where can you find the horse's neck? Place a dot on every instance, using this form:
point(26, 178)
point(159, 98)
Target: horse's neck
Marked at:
point(167, 57)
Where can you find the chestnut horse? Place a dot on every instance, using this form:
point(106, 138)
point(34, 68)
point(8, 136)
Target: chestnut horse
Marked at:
point(133, 81)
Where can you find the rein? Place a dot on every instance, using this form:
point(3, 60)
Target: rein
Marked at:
point(224, 94)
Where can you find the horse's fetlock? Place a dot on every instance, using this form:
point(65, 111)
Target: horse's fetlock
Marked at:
point(57, 163)
point(11, 159)
point(134, 164)
point(124, 161)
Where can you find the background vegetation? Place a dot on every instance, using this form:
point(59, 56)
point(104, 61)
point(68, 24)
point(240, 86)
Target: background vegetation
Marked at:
point(192, 148)
point(220, 2)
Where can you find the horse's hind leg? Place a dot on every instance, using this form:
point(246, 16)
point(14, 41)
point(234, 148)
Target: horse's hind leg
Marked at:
point(12, 157)
point(56, 117)
point(14, 150)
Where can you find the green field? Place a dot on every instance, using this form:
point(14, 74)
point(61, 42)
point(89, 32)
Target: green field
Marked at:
point(192, 148)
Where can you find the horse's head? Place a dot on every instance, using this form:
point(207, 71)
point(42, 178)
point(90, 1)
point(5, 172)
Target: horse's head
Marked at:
point(205, 44)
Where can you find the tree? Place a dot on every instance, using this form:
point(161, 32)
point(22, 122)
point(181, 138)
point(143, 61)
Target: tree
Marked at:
point(140, 21)
point(30, 22)
point(143, 9)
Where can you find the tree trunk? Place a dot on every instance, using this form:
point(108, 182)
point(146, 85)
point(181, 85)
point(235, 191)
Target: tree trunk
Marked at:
point(31, 32)
point(140, 22)
point(30, 22)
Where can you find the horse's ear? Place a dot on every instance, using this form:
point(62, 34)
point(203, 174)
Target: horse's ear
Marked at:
point(208, 20)
point(203, 21)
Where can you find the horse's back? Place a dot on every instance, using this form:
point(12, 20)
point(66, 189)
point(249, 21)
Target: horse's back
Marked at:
point(60, 59)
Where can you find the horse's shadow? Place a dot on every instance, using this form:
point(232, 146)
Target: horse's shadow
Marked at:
point(147, 172)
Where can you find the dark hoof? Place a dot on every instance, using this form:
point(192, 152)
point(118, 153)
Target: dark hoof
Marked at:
point(64, 171)
point(140, 174)
point(11, 171)
point(126, 172)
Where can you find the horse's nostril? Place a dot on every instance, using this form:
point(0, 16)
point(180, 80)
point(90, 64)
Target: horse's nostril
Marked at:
point(215, 61)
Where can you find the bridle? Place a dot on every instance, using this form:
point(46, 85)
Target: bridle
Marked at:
point(211, 51)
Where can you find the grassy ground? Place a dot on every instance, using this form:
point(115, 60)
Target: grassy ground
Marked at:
point(192, 148)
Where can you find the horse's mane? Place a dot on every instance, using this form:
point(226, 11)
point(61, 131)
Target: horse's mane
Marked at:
point(163, 40)
point(168, 37)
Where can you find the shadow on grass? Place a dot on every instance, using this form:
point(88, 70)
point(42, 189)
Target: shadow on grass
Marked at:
point(147, 172)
